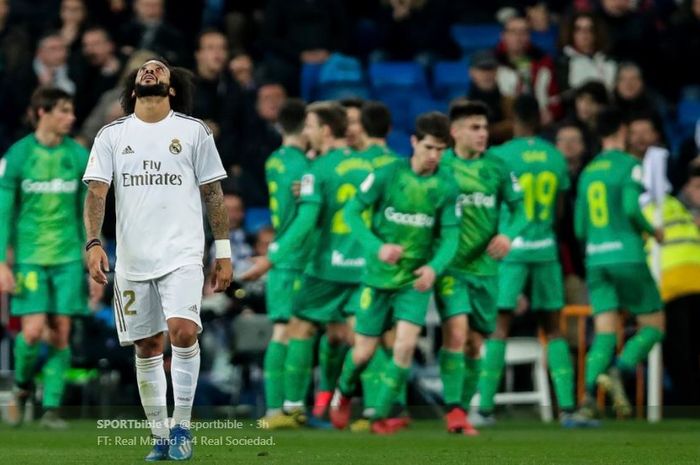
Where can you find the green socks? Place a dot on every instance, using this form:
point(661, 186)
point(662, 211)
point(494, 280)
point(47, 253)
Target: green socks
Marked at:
point(472, 369)
point(25, 360)
point(297, 369)
point(562, 372)
point(54, 373)
point(638, 347)
point(599, 357)
point(452, 374)
point(371, 377)
point(491, 373)
point(393, 382)
point(347, 382)
point(273, 370)
point(330, 360)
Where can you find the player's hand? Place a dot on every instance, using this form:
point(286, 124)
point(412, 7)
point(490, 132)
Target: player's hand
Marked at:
point(261, 265)
point(659, 235)
point(499, 247)
point(426, 278)
point(98, 264)
point(222, 275)
point(390, 253)
point(7, 279)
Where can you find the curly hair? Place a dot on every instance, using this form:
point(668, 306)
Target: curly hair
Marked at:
point(181, 80)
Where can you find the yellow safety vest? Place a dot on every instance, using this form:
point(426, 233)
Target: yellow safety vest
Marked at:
point(680, 252)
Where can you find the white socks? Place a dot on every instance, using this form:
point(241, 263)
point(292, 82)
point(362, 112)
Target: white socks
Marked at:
point(185, 372)
point(150, 377)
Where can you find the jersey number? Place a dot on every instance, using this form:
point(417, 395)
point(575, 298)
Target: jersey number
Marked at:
point(345, 193)
point(598, 204)
point(274, 204)
point(131, 296)
point(539, 192)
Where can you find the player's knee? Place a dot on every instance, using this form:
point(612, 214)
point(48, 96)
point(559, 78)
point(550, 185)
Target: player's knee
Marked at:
point(361, 354)
point(184, 335)
point(473, 347)
point(32, 335)
point(149, 347)
point(403, 350)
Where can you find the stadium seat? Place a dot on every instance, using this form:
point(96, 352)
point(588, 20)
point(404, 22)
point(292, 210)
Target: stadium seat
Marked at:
point(310, 75)
point(256, 218)
point(546, 41)
point(688, 115)
point(521, 351)
point(341, 77)
point(450, 79)
point(400, 142)
point(471, 38)
point(396, 84)
point(420, 105)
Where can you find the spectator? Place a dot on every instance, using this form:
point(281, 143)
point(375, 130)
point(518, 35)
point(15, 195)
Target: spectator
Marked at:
point(632, 97)
point(589, 100)
point(642, 134)
point(263, 239)
point(301, 31)
point(241, 68)
point(544, 29)
point(148, 30)
point(355, 135)
point(14, 42)
point(583, 57)
point(71, 24)
point(525, 69)
point(101, 72)
point(212, 84)
point(570, 142)
point(484, 87)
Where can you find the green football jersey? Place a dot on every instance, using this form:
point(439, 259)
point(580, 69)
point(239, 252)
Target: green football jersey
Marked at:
point(333, 180)
point(485, 183)
point(543, 175)
point(283, 168)
point(379, 155)
point(47, 228)
point(610, 234)
point(408, 210)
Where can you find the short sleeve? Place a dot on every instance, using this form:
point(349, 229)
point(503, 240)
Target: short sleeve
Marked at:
point(10, 170)
point(312, 185)
point(373, 186)
point(100, 165)
point(510, 187)
point(207, 162)
point(635, 179)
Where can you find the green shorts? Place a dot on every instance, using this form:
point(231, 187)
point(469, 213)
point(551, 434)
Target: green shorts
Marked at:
point(280, 292)
point(457, 294)
point(55, 289)
point(380, 308)
point(322, 301)
point(546, 285)
point(623, 287)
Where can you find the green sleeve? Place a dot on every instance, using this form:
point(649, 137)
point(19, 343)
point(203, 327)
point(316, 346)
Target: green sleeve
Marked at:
point(302, 226)
point(632, 209)
point(512, 195)
point(580, 215)
point(353, 217)
point(7, 205)
point(447, 248)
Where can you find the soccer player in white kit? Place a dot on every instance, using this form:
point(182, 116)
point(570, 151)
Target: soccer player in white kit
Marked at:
point(162, 163)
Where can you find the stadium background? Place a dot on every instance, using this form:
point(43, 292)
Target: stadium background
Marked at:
point(645, 62)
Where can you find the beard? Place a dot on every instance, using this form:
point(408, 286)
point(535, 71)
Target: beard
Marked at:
point(154, 90)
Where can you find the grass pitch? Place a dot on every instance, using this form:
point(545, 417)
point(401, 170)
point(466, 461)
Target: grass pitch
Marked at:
point(425, 443)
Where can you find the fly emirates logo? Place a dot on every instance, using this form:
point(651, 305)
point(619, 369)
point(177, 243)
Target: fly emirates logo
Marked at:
point(151, 176)
point(419, 220)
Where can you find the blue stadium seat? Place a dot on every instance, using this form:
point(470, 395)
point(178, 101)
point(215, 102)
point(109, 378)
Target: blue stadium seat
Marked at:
point(450, 79)
point(688, 115)
point(400, 142)
point(256, 218)
point(546, 41)
point(471, 38)
point(422, 105)
point(310, 75)
point(396, 84)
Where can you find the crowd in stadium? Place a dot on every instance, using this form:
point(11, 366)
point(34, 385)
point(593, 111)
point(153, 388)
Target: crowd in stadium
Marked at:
point(577, 59)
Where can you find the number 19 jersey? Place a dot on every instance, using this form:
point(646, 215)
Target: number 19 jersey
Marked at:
point(333, 180)
point(611, 237)
point(542, 174)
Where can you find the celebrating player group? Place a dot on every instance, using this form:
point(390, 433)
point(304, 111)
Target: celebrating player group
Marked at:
point(365, 240)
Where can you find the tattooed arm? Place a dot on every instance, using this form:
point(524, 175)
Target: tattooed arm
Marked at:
point(93, 216)
point(218, 221)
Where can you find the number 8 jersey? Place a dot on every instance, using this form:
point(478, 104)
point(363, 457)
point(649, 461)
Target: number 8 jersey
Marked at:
point(333, 180)
point(542, 174)
point(608, 214)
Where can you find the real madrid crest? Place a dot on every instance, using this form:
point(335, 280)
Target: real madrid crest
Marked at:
point(175, 147)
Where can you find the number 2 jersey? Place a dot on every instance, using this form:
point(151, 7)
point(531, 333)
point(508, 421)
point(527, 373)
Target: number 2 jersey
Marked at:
point(608, 215)
point(332, 181)
point(542, 174)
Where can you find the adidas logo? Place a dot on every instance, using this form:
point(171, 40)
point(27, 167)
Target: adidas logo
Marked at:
point(128, 150)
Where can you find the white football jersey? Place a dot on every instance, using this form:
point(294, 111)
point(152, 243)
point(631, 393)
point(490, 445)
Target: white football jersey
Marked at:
point(157, 169)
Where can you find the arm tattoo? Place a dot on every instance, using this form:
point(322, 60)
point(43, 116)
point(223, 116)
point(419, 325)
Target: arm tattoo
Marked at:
point(216, 211)
point(94, 212)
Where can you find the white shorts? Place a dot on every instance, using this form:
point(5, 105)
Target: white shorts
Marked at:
point(142, 308)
